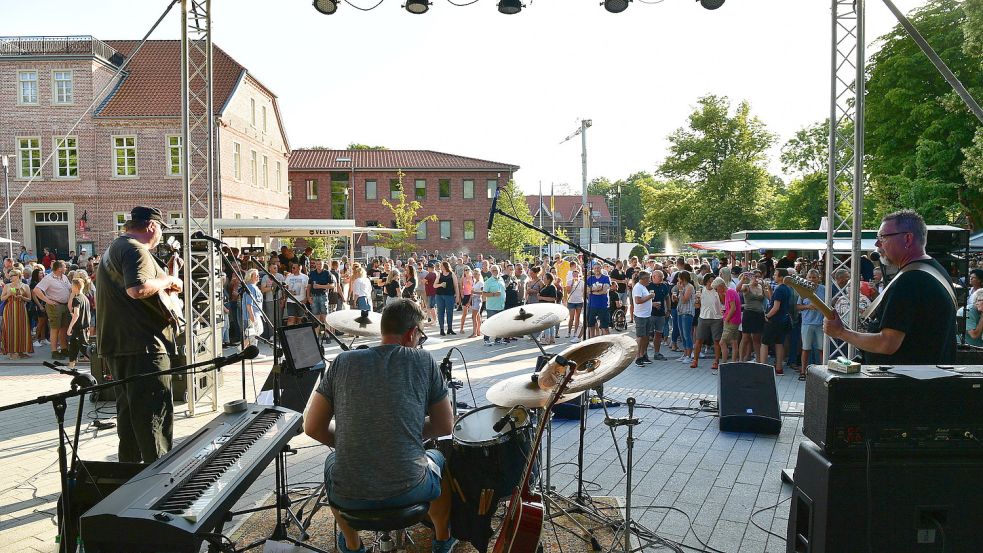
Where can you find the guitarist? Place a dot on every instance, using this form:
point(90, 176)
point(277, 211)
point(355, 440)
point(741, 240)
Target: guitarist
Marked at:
point(134, 335)
point(914, 320)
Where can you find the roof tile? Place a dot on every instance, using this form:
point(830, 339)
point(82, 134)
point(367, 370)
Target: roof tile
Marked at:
point(318, 159)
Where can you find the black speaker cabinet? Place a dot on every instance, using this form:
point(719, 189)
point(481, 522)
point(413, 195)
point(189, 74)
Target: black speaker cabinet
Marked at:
point(946, 239)
point(747, 398)
point(896, 505)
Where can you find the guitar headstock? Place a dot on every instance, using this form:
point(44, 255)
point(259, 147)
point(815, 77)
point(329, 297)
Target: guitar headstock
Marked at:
point(802, 286)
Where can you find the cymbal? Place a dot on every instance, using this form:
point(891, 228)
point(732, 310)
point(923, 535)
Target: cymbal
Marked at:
point(523, 320)
point(598, 359)
point(521, 390)
point(358, 323)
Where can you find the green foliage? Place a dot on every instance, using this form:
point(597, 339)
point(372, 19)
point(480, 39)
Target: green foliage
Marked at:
point(631, 196)
point(357, 146)
point(919, 133)
point(508, 236)
point(322, 247)
point(638, 251)
point(631, 235)
point(405, 215)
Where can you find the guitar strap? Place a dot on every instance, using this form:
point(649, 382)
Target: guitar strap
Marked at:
point(914, 266)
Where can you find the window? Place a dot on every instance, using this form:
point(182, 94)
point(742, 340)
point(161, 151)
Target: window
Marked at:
point(62, 87)
point(469, 230)
point(263, 113)
point(28, 157)
point(395, 189)
point(468, 189)
point(174, 160)
point(27, 87)
point(237, 215)
point(174, 217)
point(266, 172)
point(125, 156)
point(290, 190)
point(445, 230)
point(252, 111)
point(237, 161)
point(421, 189)
point(252, 168)
point(371, 193)
point(445, 189)
point(277, 176)
point(421, 230)
point(67, 163)
point(312, 189)
point(339, 195)
point(492, 186)
point(119, 219)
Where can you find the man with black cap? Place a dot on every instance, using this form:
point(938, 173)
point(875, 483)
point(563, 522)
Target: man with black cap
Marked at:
point(134, 335)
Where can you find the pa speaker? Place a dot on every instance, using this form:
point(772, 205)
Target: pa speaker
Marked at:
point(747, 399)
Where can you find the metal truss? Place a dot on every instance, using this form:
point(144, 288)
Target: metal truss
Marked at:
point(846, 155)
point(203, 335)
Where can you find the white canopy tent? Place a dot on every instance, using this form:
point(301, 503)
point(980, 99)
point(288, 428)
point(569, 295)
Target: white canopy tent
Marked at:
point(798, 244)
point(267, 229)
point(976, 242)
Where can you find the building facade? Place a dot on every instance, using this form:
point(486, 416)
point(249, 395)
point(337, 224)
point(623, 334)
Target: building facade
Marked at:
point(457, 190)
point(566, 214)
point(75, 184)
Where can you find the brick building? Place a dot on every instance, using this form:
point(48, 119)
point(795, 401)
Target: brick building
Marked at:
point(567, 214)
point(127, 150)
point(457, 189)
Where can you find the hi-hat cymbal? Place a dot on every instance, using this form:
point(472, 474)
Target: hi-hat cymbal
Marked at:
point(598, 360)
point(521, 390)
point(358, 323)
point(523, 320)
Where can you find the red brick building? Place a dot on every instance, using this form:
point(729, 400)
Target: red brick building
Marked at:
point(567, 214)
point(456, 189)
point(126, 151)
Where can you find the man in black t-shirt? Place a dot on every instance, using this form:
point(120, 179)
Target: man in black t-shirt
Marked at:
point(915, 321)
point(660, 303)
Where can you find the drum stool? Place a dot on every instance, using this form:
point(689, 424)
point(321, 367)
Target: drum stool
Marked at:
point(386, 521)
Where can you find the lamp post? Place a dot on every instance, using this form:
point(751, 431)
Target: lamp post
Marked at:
point(617, 247)
point(6, 199)
point(350, 194)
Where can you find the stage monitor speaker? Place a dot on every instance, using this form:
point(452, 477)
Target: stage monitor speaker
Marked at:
point(896, 505)
point(747, 398)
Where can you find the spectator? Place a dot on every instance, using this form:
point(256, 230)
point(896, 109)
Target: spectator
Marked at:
point(15, 335)
point(54, 291)
point(731, 335)
point(685, 296)
point(360, 289)
point(778, 322)
point(598, 317)
point(812, 324)
point(711, 326)
point(753, 315)
point(467, 288)
point(494, 296)
point(974, 322)
point(575, 304)
point(447, 293)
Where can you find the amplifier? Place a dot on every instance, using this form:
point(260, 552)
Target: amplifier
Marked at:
point(894, 414)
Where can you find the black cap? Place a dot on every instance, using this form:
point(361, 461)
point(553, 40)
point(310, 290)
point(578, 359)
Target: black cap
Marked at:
point(142, 213)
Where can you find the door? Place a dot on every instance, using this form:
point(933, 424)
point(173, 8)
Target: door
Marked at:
point(53, 237)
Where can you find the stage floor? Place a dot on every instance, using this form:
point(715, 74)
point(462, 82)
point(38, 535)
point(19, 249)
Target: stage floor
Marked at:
point(685, 462)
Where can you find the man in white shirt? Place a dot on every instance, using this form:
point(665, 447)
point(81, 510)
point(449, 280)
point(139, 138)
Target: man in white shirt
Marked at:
point(641, 297)
point(296, 282)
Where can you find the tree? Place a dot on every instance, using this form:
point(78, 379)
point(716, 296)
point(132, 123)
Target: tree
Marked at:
point(631, 196)
point(506, 235)
point(406, 220)
point(357, 146)
point(919, 133)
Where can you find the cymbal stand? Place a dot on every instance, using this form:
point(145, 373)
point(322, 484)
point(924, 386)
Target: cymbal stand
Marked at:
point(629, 527)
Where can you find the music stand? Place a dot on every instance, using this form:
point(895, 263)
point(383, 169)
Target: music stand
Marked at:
point(299, 375)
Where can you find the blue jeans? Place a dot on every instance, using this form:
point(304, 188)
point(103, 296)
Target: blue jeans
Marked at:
point(675, 326)
point(686, 330)
point(363, 303)
point(445, 310)
point(427, 490)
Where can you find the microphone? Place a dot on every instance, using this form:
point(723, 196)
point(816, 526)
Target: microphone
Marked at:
point(199, 235)
point(249, 353)
point(498, 426)
point(494, 207)
point(564, 362)
point(445, 366)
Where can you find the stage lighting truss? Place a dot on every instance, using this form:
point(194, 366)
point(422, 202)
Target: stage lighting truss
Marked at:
point(508, 7)
point(327, 7)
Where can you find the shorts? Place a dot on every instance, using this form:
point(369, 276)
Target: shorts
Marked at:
point(295, 309)
point(658, 324)
point(731, 333)
point(709, 330)
point(466, 299)
point(432, 302)
point(576, 305)
point(427, 490)
point(812, 337)
point(598, 315)
point(644, 326)
point(623, 297)
point(752, 322)
point(319, 304)
point(775, 332)
point(57, 315)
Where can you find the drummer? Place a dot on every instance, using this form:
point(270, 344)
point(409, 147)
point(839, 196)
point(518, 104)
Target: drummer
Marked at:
point(377, 397)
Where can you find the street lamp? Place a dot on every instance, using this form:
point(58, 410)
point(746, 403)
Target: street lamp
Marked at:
point(6, 198)
point(350, 193)
point(618, 246)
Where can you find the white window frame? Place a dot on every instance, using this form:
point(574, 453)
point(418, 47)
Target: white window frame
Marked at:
point(57, 145)
point(262, 111)
point(375, 189)
point(416, 189)
point(71, 87)
point(310, 185)
point(253, 168)
point(252, 112)
point(450, 229)
point(20, 87)
point(464, 185)
point(421, 230)
point(169, 155)
point(266, 172)
point(136, 157)
point(174, 216)
point(237, 161)
point(278, 175)
point(20, 156)
point(119, 219)
point(465, 229)
point(491, 190)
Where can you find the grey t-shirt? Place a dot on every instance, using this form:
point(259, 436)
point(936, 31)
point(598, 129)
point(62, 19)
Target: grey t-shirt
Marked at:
point(380, 397)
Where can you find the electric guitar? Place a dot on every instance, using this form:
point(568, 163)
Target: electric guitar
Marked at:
point(807, 290)
point(171, 301)
point(522, 526)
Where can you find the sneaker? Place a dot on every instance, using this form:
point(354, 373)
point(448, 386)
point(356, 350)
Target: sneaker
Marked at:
point(683, 358)
point(452, 333)
point(646, 360)
point(488, 342)
point(640, 362)
point(444, 546)
point(343, 547)
point(575, 339)
point(658, 357)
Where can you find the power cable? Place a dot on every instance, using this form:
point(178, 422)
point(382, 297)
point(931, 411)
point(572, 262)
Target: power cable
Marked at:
point(379, 3)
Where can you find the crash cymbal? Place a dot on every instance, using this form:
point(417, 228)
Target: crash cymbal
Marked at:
point(358, 323)
point(521, 390)
point(523, 320)
point(598, 360)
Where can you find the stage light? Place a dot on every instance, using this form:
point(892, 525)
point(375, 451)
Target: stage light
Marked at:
point(510, 7)
point(417, 6)
point(711, 4)
point(327, 7)
point(615, 6)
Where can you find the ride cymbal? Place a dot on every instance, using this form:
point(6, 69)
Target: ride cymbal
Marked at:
point(521, 390)
point(355, 322)
point(598, 360)
point(523, 320)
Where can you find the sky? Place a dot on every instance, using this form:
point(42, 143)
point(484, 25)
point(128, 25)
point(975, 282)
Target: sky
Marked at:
point(473, 82)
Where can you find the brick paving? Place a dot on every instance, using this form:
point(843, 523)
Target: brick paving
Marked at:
point(717, 479)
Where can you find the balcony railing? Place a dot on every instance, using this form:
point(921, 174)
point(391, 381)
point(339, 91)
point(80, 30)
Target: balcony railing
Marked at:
point(83, 45)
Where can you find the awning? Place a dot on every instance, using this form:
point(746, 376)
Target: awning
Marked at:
point(780, 244)
point(976, 242)
point(293, 228)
